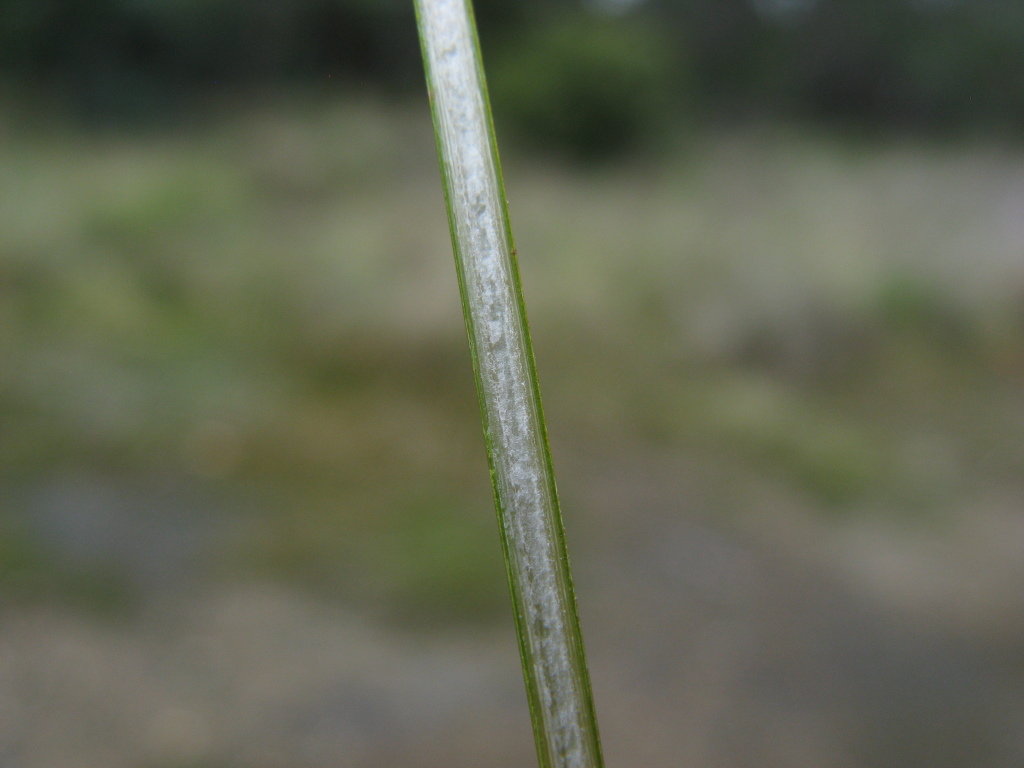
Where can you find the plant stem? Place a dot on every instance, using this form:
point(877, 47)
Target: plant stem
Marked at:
point(554, 665)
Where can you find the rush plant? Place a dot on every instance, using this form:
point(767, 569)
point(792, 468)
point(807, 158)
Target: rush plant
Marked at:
point(551, 646)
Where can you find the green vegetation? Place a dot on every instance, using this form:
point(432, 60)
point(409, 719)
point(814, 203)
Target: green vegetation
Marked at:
point(259, 311)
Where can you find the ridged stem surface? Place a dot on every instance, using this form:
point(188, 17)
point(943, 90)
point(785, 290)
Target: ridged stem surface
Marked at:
point(557, 682)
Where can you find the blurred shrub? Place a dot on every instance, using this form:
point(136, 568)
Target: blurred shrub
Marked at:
point(121, 60)
point(587, 86)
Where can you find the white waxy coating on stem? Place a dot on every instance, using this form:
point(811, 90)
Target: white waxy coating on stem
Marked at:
point(555, 668)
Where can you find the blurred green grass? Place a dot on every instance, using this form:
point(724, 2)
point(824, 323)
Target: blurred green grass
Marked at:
point(262, 308)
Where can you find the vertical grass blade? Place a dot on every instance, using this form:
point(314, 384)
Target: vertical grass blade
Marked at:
point(554, 665)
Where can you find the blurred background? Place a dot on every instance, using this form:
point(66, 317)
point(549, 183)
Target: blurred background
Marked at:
point(773, 252)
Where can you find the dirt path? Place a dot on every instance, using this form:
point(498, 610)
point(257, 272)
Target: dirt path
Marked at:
point(745, 643)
